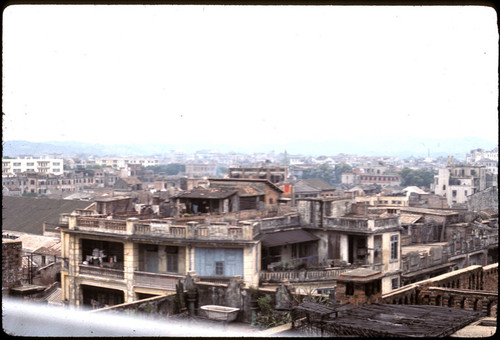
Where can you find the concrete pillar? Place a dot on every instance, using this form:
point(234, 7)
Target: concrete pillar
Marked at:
point(190, 231)
point(130, 261)
point(162, 259)
point(72, 221)
point(131, 225)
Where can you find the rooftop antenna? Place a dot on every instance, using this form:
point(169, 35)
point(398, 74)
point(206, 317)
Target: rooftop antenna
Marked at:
point(286, 168)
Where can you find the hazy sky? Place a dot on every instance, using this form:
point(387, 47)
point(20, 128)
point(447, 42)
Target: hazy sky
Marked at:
point(245, 75)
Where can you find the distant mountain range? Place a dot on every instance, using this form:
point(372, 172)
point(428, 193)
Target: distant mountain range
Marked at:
point(402, 147)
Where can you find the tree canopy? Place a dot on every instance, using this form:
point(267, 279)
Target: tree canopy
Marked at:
point(419, 177)
point(324, 171)
point(340, 169)
point(170, 169)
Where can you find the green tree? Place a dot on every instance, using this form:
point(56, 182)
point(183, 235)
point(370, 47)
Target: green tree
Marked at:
point(170, 169)
point(323, 171)
point(419, 177)
point(340, 169)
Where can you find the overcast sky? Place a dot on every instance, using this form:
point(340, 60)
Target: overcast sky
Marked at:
point(245, 75)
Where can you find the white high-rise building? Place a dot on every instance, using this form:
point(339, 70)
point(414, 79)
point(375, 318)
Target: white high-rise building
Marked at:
point(12, 166)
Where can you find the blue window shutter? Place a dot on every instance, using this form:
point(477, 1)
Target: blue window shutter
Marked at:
point(205, 259)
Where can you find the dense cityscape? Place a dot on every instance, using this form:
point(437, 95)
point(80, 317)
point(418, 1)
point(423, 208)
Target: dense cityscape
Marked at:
point(249, 170)
point(261, 239)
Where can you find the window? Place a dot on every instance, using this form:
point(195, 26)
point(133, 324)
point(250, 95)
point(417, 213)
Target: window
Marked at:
point(172, 259)
point(395, 283)
point(349, 288)
point(394, 247)
point(454, 193)
point(444, 186)
point(219, 268)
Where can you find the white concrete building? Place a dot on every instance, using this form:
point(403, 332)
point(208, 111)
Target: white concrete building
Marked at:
point(478, 154)
point(456, 182)
point(13, 166)
point(121, 163)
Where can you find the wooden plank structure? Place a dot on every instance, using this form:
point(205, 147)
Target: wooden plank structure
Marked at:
point(381, 320)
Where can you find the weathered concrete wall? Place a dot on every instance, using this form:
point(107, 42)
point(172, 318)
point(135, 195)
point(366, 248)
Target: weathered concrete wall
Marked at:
point(11, 263)
point(425, 233)
point(155, 306)
point(313, 211)
point(48, 274)
point(217, 294)
point(471, 288)
point(484, 200)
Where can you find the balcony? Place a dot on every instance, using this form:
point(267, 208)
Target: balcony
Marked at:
point(327, 274)
point(101, 224)
point(156, 280)
point(362, 224)
point(101, 272)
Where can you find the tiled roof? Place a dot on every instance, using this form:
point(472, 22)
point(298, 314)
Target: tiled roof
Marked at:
point(301, 187)
point(319, 184)
point(27, 214)
point(46, 245)
point(207, 193)
point(131, 180)
point(409, 218)
point(287, 237)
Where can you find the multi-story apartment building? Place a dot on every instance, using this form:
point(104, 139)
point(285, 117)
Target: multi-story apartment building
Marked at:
point(349, 235)
point(194, 170)
point(488, 159)
point(370, 175)
point(272, 174)
point(69, 181)
point(457, 181)
point(121, 163)
point(400, 200)
point(10, 167)
point(115, 261)
point(478, 154)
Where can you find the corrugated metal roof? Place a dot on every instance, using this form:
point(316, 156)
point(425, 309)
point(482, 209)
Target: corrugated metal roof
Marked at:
point(287, 237)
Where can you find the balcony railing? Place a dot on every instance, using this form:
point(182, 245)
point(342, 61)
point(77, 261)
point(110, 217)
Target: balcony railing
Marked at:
point(302, 275)
point(156, 280)
point(102, 223)
point(101, 272)
point(362, 224)
point(192, 230)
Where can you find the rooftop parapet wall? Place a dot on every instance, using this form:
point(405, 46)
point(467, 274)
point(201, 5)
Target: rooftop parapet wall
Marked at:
point(285, 221)
point(472, 288)
point(365, 224)
point(244, 231)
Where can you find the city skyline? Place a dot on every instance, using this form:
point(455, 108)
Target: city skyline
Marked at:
point(251, 76)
